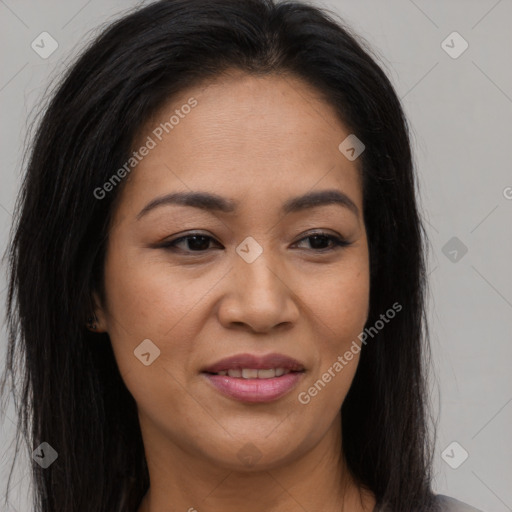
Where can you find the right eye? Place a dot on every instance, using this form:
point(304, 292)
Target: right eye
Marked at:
point(194, 242)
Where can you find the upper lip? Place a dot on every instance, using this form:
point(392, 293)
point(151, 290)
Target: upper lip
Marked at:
point(257, 362)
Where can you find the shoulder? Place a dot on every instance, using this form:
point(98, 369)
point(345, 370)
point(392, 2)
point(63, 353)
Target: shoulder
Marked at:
point(447, 504)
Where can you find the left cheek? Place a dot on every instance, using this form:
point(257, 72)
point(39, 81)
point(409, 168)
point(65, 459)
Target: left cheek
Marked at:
point(344, 316)
point(344, 312)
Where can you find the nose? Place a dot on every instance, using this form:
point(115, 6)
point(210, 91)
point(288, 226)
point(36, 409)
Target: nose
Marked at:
point(260, 296)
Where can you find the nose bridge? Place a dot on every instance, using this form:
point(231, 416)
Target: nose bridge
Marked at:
point(257, 267)
point(260, 297)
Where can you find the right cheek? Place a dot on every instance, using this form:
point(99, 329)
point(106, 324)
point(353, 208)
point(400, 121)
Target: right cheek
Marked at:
point(123, 352)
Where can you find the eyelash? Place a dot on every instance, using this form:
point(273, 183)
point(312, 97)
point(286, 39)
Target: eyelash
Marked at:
point(337, 241)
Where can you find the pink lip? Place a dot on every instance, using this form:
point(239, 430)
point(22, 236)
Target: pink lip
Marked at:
point(255, 390)
point(240, 361)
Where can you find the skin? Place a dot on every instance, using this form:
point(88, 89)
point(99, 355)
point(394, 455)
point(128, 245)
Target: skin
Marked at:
point(260, 141)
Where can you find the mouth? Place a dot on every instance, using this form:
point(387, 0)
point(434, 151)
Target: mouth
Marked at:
point(252, 378)
point(253, 373)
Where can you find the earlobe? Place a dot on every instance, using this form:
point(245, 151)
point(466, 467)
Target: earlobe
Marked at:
point(96, 322)
point(92, 324)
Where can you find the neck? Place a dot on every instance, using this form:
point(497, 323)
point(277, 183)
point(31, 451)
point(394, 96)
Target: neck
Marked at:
point(316, 480)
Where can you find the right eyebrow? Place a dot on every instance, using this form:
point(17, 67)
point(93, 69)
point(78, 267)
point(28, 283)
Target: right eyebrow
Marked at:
point(202, 200)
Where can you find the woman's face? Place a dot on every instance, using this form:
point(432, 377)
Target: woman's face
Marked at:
point(254, 282)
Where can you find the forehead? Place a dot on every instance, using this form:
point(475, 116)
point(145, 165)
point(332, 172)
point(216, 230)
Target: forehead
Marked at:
point(246, 136)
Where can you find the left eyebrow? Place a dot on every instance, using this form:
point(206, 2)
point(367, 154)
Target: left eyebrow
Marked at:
point(213, 202)
point(320, 198)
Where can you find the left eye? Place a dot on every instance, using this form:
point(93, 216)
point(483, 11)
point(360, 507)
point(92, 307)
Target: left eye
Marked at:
point(320, 239)
point(198, 242)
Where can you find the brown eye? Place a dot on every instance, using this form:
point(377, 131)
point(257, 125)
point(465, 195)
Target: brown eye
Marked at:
point(195, 242)
point(320, 242)
point(200, 243)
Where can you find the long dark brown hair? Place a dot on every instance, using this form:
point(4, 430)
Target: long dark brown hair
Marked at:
point(68, 387)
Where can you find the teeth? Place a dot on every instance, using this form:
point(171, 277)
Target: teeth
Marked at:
point(266, 374)
point(252, 373)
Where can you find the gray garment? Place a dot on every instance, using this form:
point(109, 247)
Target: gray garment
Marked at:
point(447, 504)
point(452, 505)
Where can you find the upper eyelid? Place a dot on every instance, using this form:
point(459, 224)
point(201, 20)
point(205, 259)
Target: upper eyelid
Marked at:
point(307, 234)
point(315, 231)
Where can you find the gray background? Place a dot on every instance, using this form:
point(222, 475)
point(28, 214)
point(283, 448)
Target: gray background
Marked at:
point(460, 111)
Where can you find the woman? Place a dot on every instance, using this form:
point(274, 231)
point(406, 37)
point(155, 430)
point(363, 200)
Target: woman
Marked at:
point(218, 273)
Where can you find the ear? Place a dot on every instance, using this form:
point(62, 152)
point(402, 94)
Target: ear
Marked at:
point(99, 322)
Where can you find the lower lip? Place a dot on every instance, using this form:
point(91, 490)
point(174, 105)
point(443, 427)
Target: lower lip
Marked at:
point(255, 390)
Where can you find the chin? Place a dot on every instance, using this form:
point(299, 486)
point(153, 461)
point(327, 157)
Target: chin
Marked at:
point(252, 454)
